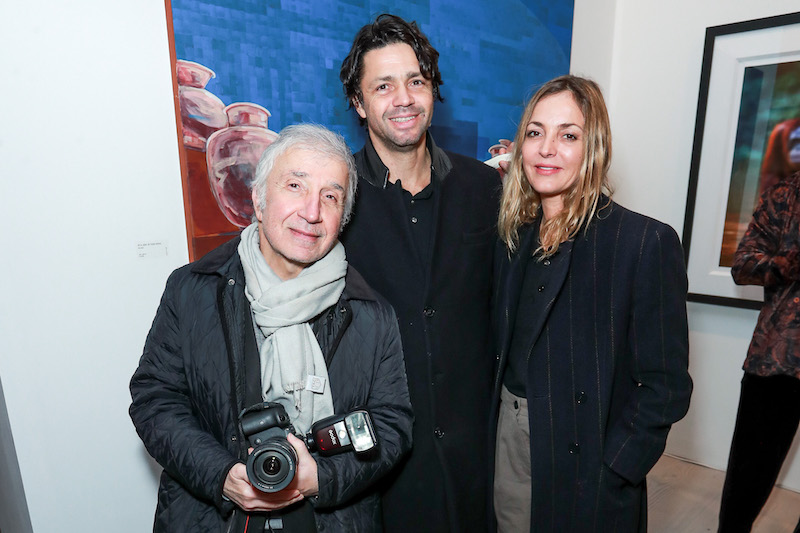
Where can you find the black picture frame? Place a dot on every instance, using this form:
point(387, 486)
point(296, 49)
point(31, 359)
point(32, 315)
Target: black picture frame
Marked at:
point(730, 49)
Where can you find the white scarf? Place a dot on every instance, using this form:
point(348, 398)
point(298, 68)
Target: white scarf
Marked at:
point(282, 310)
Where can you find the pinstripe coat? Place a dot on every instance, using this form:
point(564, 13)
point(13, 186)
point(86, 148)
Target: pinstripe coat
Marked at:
point(607, 372)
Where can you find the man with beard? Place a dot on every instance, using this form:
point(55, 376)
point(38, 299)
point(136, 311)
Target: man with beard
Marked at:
point(422, 233)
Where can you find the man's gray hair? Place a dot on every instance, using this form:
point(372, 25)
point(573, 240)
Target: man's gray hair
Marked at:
point(308, 137)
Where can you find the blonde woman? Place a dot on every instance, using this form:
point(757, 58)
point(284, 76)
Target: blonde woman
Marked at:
point(590, 329)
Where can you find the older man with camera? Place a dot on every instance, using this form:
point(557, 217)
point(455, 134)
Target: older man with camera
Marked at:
point(266, 347)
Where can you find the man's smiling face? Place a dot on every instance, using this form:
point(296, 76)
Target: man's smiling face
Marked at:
point(304, 202)
point(397, 100)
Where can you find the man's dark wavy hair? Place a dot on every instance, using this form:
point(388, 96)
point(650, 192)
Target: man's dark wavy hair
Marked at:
point(385, 30)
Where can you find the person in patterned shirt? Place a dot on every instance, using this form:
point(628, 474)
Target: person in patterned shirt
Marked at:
point(769, 405)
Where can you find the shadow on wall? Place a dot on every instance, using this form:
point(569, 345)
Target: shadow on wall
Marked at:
point(712, 411)
point(14, 514)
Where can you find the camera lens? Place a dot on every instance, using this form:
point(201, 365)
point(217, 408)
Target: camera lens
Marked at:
point(272, 465)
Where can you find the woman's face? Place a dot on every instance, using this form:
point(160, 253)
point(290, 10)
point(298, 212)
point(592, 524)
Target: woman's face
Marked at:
point(552, 150)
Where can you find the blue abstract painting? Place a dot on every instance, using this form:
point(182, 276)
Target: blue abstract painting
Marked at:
point(285, 55)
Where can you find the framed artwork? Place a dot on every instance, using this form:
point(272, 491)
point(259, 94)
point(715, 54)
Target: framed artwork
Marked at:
point(747, 137)
point(246, 69)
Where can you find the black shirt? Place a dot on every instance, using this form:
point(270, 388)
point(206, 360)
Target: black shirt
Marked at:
point(420, 211)
point(537, 276)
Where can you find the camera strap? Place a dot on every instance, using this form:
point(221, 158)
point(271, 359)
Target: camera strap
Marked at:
point(252, 364)
point(298, 518)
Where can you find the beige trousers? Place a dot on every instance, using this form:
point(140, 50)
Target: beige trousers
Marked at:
point(512, 466)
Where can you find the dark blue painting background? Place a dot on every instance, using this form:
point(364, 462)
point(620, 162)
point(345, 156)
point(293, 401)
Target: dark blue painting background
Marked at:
point(285, 55)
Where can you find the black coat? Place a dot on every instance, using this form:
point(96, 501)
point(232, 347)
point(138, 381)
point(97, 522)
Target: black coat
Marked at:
point(602, 400)
point(190, 387)
point(443, 313)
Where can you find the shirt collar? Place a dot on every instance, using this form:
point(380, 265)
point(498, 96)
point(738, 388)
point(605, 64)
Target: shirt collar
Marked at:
point(378, 174)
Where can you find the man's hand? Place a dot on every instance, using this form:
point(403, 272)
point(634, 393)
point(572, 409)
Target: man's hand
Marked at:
point(305, 480)
point(305, 484)
point(238, 489)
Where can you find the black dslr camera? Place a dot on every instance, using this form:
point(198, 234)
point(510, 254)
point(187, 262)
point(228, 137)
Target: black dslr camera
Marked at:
point(273, 462)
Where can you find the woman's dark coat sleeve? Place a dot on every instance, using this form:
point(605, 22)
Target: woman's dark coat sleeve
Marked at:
point(659, 352)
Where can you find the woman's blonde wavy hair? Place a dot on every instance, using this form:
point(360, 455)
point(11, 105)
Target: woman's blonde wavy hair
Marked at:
point(520, 203)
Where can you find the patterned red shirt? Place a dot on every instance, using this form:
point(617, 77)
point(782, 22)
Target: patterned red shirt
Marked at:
point(769, 255)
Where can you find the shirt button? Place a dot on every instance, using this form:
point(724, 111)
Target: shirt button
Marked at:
point(438, 432)
point(574, 448)
point(429, 311)
point(541, 288)
point(414, 220)
point(546, 262)
point(231, 282)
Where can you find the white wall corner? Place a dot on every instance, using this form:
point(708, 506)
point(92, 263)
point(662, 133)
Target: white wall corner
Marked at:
point(593, 36)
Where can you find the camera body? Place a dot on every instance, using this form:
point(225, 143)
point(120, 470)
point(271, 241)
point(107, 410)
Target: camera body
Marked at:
point(272, 464)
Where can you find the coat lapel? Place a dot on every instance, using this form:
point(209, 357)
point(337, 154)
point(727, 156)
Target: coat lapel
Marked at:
point(513, 287)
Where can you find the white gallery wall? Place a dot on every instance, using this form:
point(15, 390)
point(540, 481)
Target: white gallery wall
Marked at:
point(89, 172)
point(647, 56)
point(89, 175)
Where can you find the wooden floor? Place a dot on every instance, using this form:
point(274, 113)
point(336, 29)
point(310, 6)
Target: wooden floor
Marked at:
point(684, 498)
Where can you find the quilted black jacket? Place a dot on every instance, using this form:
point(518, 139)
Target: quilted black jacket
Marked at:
point(189, 389)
